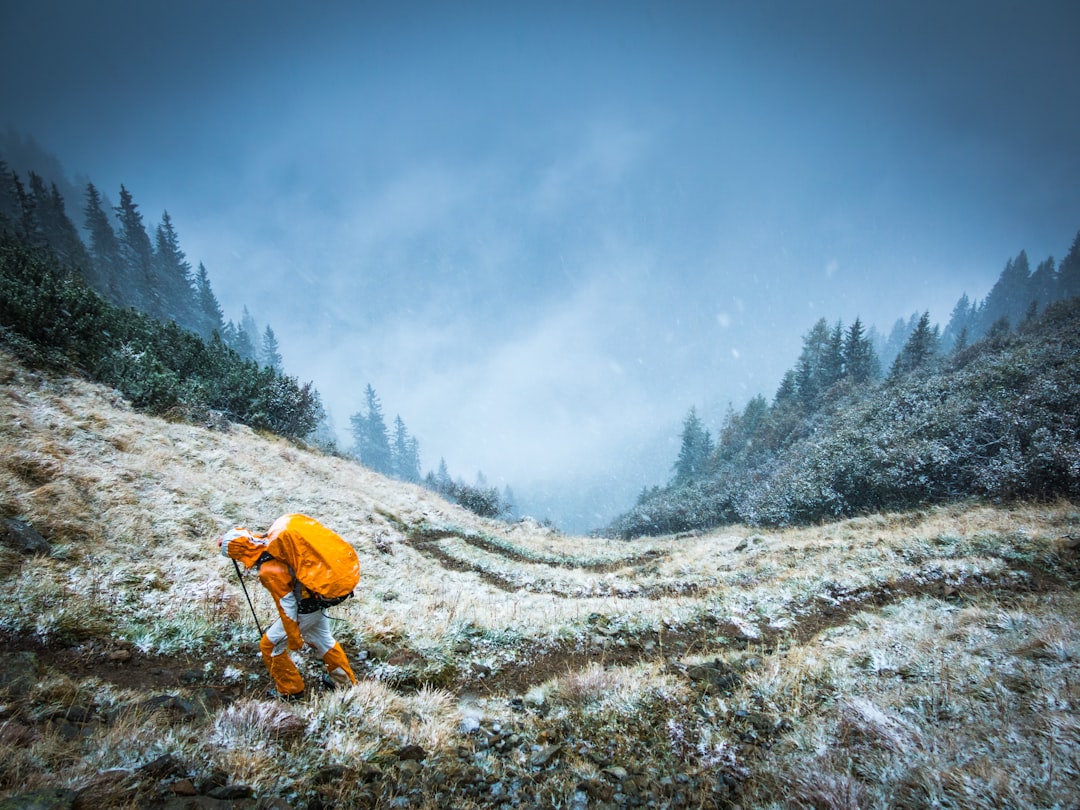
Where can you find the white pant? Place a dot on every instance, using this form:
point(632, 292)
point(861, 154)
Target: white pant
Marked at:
point(314, 629)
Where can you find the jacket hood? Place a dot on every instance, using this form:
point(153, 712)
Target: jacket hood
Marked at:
point(241, 545)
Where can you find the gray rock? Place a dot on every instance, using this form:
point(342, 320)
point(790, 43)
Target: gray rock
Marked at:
point(542, 757)
point(174, 704)
point(231, 792)
point(165, 765)
point(412, 752)
point(22, 537)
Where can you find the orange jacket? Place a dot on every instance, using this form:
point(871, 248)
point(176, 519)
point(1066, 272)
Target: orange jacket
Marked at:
point(319, 557)
point(276, 577)
point(241, 545)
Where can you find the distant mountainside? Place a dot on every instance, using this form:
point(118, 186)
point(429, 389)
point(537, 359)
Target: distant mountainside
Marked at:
point(999, 420)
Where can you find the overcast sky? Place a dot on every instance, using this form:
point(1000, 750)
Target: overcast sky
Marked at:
point(543, 231)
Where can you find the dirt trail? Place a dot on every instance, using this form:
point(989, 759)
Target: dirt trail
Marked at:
point(127, 668)
point(716, 636)
point(426, 543)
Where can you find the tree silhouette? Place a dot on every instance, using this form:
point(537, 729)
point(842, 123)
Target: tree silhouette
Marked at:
point(174, 294)
point(1068, 278)
point(208, 314)
point(104, 247)
point(860, 362)
point(136, 283)
point(270, 355)
point(370, 437)
point(919, 350)
point(695, 450)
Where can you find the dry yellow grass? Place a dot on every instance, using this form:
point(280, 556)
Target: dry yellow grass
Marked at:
point(887, 661)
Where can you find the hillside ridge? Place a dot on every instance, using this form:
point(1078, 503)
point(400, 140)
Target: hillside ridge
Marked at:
point(502, 663)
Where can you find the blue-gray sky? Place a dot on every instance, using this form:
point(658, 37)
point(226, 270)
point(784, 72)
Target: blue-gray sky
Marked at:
point(543, 230)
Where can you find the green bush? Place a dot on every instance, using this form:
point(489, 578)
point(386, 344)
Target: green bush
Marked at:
point(50, 317)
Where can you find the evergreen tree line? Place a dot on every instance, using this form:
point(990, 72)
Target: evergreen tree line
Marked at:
point(1019, 294)
point(145, 335)
point(398, 456)
point(124, 264)
point(50, 316)
point(129, 311)
point(768, 464)
point(480, 498)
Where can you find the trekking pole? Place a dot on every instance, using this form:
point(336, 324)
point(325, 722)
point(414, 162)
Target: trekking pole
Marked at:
point(240, 576)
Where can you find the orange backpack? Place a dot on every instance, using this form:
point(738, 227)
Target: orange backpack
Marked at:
point(319, 559)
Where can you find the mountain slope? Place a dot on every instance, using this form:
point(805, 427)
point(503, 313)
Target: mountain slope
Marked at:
point(998, 420)
point(925, 656)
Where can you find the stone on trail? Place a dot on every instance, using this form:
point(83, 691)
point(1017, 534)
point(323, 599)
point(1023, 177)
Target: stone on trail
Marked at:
point(20, 536)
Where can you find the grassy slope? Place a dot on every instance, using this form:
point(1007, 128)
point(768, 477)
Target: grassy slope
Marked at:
point(892, 660)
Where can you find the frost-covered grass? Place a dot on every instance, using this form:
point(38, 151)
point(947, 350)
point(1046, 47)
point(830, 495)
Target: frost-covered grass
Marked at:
point(888, 660)
point(938, 704)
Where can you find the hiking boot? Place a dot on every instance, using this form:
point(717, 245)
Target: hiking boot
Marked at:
point(329, 684)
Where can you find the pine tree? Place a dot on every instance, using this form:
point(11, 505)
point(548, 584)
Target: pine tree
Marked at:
point(249, 327)
point(740, 435)
point(241, 337)
point(860, 362)
point(136, 283)
point(405, 453)
point(9, 209)
point(695, 450)
point(174, 295)
point(898, 336)
point(919, 350)
point(1068, 276)
point(229, 336)
point(1042, 286)
point(961, 341)
point(412, 460)
point(787, 390)
point(324, 436)
point(26, 225)
point(810, 368)
point(1009, 297)
point(36, 227)
point(58, 231)
point(832, 363)
point(270, 356)
point(370, 437)
point(509, 503)
point(442, 477)
point(1031, 314)
point(207, 310)
point(104, 247)
point(962, 319)
point(241, 342)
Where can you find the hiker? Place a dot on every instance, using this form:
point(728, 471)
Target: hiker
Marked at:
point(298, 559)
